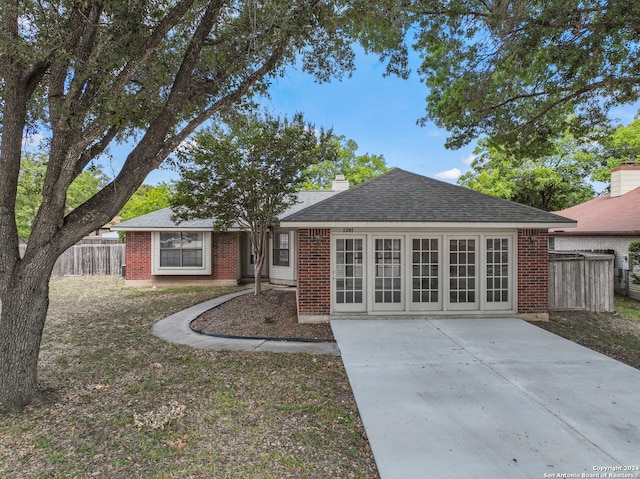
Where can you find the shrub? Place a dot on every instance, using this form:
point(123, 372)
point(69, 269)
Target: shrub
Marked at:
point(634, 260)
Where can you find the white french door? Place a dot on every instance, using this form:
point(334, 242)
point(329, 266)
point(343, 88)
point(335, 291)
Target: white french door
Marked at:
point(426, 273)
point(412, 272)
point(388, 274)
point(463, 273)
point(349, 281)
point(498, 273)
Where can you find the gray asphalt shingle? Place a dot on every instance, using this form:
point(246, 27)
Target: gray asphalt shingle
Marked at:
point(162, 218)
point(401, 196)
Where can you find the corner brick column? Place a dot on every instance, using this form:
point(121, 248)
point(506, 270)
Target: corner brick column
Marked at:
point(225, 256)
point(138, 255)
point(314, 275)
point(533, 271)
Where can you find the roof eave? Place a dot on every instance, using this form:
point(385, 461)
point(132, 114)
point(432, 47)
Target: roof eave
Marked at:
point(426, 224)
point(170, 228)
point(594, 233)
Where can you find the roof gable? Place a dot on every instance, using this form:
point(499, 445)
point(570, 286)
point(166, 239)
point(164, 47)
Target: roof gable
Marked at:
point(400, 196)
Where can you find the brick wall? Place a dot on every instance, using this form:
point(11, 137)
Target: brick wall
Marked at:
point(138, 255)
point(314, 272)
point(225, 257)
point(533, 271)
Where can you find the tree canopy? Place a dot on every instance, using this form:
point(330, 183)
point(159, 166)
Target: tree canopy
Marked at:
point(566, 176)
point(554, 182)
point(147, 199)
point(355, 168)
point(29, 193)
point(248, 174)
point(88, 75)
point(520, 73)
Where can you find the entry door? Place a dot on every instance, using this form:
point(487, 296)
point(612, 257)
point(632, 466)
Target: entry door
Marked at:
point(388, 274)
point(463, 274)
point(349, 274)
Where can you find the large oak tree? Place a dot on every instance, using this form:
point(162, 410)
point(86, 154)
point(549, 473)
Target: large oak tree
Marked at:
point(89, 73)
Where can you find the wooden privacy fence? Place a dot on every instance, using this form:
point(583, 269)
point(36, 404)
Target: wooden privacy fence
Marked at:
point(90, 259)
point(581, 282)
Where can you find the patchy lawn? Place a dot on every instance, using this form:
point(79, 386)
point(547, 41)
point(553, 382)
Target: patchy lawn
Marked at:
point(616, 335)
point(122, 403)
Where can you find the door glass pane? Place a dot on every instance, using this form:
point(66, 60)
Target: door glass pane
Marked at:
point(497, 280)
point(426, 271)
point(348, 282)
point(462, 270)
point(388, 271)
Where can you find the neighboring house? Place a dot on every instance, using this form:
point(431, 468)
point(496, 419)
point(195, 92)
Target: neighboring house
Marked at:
point(607, 223)
point(400, 244)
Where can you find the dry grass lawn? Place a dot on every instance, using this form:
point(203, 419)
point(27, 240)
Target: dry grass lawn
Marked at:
point(122, 403)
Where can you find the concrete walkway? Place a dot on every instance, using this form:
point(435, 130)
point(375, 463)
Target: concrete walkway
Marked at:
point(175, 329)
point(487, 398)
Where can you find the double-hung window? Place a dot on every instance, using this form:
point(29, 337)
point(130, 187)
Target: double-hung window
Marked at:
point(181, 252)
point(281, 248)
point(181, 249)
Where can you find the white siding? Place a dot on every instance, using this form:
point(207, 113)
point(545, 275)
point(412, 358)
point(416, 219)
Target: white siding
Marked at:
point(619, 244)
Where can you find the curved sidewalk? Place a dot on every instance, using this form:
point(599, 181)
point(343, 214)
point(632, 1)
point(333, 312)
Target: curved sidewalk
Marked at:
point(175, 329)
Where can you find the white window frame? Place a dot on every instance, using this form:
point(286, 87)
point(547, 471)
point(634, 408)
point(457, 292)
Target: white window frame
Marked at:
point(158, 270)
point(276, 242)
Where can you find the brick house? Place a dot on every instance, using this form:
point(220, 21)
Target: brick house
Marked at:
point(398, 245)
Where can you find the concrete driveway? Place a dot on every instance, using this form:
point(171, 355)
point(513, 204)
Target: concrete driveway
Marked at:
point(489, 398)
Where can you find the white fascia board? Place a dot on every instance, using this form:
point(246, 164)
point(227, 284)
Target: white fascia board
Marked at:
point(170, 228)
point(412, 225)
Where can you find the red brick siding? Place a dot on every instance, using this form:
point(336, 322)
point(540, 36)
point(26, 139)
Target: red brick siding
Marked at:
point(138, 254)
point(314, 271)
point(533, 271)
point(225, 257)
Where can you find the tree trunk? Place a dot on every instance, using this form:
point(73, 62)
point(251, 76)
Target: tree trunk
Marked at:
point(258, 273)
point(24, 308)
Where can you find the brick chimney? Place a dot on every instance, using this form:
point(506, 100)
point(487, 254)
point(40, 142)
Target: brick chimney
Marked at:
point(341, 183)
point(625, 178)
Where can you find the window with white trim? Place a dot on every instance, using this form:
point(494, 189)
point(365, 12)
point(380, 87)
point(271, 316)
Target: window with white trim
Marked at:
point(181, 249)
point(281, 248)
point(181, 252)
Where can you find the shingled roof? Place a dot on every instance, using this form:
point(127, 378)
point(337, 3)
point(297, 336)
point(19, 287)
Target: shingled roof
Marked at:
point(399, 196)
point(606, 215)
point(161, 219)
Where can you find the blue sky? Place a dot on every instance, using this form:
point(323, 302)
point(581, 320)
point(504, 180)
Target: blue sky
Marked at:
point(379, 113)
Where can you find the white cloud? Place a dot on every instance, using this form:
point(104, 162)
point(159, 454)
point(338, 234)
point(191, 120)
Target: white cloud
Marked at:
point(469, 159)
point(452, 174)
point(33, 139)
point(433, 134)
